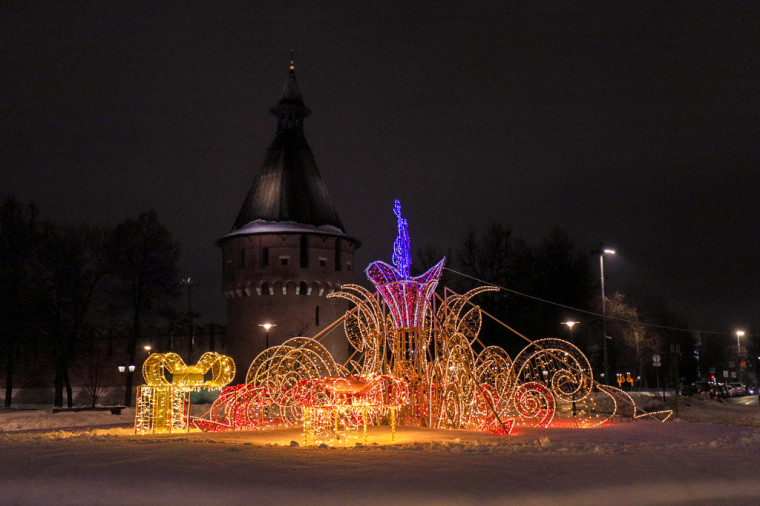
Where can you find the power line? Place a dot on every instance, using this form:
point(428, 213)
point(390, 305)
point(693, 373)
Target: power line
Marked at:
point(591, 313)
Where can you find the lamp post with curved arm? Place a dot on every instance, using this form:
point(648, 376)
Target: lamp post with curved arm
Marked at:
point(604, 317)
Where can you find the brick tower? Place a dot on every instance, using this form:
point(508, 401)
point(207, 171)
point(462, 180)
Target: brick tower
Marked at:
point(287, 248)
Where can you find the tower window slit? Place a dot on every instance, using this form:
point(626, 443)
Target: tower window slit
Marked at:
point(337, 253)
point(305, 251)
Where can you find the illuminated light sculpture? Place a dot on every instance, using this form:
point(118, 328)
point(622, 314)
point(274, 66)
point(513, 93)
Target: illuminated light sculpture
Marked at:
point(334, 407)
point(408, 299)
point(266, 400)
point(242, 406)
point(407, 296)
point(416, 365)
point(163, 404)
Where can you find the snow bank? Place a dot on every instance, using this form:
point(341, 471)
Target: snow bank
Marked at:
point(603, 440)
point(645, 462)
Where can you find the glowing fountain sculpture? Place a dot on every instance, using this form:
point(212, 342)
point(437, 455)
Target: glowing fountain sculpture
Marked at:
point(163, 405)
point(416, 365)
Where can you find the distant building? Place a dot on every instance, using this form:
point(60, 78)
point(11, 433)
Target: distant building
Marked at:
point(287, 248)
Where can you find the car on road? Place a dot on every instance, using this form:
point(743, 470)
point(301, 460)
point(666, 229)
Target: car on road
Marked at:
point(720, 390)
point(705, 388)
point(736, 389)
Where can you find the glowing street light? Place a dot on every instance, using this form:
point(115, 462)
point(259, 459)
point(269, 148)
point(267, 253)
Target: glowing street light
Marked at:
point(604, 316)
point(570, 325)
point(122, 370)
point(267, 326)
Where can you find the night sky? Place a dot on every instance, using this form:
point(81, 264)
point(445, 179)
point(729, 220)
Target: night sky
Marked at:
point(633, 124)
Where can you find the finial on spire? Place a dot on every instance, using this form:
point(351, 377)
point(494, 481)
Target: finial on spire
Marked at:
point(292, 59)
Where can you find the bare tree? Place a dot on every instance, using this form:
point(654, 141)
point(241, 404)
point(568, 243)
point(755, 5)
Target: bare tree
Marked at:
point(555, 272)
point(75, 258)
point(632, 340)
point(20, 237)
point(144, 260)
point(93, 371)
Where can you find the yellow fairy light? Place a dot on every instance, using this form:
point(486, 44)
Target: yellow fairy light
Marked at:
point(163, 405)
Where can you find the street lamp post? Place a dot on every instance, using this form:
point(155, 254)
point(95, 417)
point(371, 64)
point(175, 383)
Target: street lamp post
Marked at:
point(122, 370)
point(267, 326)
point(604, 317)
point(739, 334)
point(189, 283)
point(570, 325)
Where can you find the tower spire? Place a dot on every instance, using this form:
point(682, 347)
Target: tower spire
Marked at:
point(291, 95)
point(289, 187)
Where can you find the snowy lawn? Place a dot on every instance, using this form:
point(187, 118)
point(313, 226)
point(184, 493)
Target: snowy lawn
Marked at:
point(644, 462)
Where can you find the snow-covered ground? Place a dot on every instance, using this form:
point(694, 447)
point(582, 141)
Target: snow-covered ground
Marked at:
point(711, 455)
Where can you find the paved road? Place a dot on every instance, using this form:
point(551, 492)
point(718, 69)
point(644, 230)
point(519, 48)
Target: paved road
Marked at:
point(745, 400)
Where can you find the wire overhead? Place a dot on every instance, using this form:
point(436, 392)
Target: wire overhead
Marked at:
point(590, 313)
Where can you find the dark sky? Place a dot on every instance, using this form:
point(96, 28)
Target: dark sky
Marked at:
point(634, 124)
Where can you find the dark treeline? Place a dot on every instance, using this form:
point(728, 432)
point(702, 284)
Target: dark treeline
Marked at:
point(557, 281)
point(59, 282)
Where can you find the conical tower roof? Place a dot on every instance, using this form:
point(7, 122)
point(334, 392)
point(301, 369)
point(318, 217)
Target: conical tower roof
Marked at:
point(288, 195)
